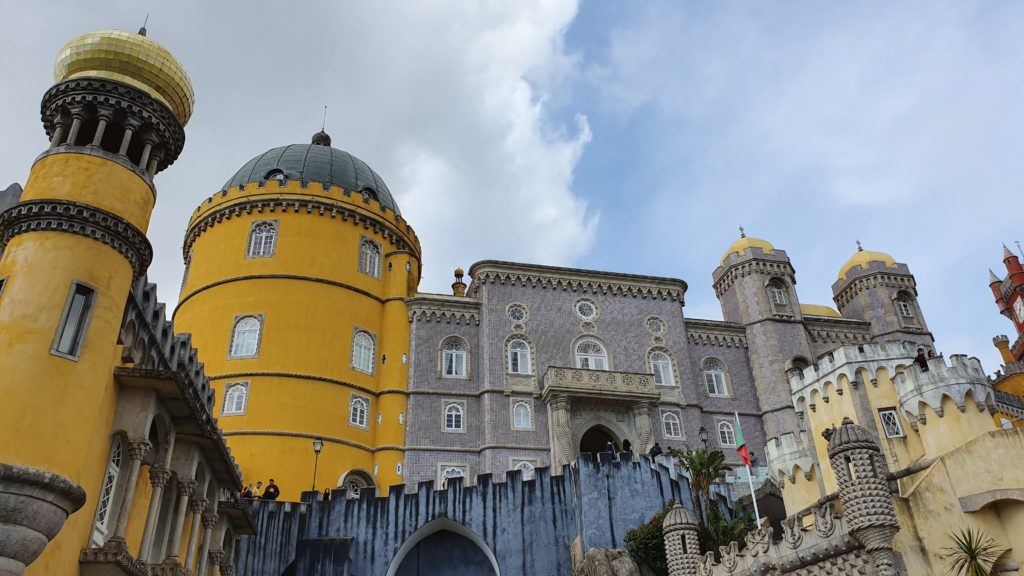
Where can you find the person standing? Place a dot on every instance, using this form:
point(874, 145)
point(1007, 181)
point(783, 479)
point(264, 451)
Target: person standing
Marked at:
point(272, 491)
point(256, 492)
point(655, 451)
point(627, 446)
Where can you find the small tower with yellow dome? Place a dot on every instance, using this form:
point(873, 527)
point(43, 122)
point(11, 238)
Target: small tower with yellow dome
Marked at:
point(872, 286)
point(71, 250)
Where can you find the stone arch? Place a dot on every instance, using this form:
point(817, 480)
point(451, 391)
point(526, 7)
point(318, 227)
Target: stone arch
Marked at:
point(356, 480)
point(436, 526)
point(601, 424)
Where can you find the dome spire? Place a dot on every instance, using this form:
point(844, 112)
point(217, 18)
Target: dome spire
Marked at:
point(859, 247)
point(322, 138)
point(743, 234)
point(142, 31)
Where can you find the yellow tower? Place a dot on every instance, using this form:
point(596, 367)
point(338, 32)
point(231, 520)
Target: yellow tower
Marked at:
point(71, 249)
point(296, 275)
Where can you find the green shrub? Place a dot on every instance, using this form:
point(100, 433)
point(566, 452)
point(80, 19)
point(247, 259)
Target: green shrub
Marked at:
point(646, 543)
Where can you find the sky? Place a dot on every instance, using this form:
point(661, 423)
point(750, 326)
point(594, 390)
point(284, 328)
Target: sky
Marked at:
point(630, 137)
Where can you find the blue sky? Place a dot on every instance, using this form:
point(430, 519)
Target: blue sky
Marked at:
point(626, 137)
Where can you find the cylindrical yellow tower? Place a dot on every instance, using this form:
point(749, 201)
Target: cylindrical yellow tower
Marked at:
point(71, 249)
point(296, 279)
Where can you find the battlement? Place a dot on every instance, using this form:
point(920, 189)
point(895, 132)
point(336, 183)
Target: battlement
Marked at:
point(823, 376)
point(963, 376)
point(787, 454)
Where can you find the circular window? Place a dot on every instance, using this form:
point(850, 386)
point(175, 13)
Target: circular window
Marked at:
point(517, 313)
point(586, 309)
point(655, 325)
point(275, 174)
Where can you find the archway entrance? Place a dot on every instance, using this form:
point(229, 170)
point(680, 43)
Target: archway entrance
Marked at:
point(595, 440)
point(443, 547)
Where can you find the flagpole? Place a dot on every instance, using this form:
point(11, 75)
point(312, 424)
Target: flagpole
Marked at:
point(750, 478)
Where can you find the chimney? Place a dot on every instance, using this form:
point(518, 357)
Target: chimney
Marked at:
point(459, 287)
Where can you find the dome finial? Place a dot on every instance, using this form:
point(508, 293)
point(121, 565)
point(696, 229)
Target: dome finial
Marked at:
point(742, 233)
point(859, 247)
point(322, 138)
point(142, 31)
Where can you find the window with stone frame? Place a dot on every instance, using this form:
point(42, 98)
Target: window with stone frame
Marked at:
point(245, 337)
point(671, 425)
point(905, 306)
point(715, 377)
point(358, 411)
point(891, 424)
point(726, 434)
point(522, 415)
point(448, 471)
point(519, 357)
point(453, 357)
point(777, 296)
point(661, 367)
point(369, 257)
point(454, 417)
point(591, 355)
point(74, 321)
point(105, 507)
point(236, 398)
point(262, 239)
point(363, 351)
point(527, 470)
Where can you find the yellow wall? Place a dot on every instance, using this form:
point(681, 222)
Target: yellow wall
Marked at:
point(45, 396)
point(302, 380)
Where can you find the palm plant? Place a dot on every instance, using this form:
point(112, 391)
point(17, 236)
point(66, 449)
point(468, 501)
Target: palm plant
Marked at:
point(704, 466)
point(972, 554)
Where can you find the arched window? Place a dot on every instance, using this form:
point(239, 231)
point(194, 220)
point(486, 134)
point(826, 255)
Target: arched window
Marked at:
point(527, 470)
point(235, 399)
point(590, 354)
point(905, 306)
point(519, 357)
point(262, 239)
point(363, 351)
point(449, 472)
point(777, 293)
point(245, 338)
point(369, 257)
point(726, 434)
point(714, 377)
point(453, 417)
point(354, 482)
point(670, 424)
point(358, 408)
point(453, 357)
point(661, 367)
point(104, 509)
point(522, 416)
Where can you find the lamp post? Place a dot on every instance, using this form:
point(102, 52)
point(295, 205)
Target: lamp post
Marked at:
point(704, 435)
point(318, 445)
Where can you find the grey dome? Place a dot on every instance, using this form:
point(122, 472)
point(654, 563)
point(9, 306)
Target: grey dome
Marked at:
point(316, 163)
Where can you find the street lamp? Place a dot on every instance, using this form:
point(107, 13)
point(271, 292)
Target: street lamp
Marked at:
point(318, 445)
point(704, 435)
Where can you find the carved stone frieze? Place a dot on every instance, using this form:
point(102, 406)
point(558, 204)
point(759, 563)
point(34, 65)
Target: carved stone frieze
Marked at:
point(572, 280)
point(599, 384)
point(870, 281)
point(781, 269)
point(713, 333)
point(81, 219)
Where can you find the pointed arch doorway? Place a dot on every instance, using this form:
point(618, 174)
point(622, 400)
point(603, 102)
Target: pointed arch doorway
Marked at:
point(596, 439)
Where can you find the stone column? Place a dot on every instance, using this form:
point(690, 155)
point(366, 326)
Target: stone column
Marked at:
point(561, 433)
point(682, 550)
point(159, 476)
point(76, 123)
point(216, 559)
point(154, 163)
point(209, 521)
point(147, 147)
point(126, 140)
point(186, 489)
point(137, 451)
point(642, 422)
point(100, 129)
point(196, 507)
point(58, 133)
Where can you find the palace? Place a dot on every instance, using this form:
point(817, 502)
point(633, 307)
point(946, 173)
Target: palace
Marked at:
point(458, 430)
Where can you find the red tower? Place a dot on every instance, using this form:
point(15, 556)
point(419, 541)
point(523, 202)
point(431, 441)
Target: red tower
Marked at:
point(1009, 295)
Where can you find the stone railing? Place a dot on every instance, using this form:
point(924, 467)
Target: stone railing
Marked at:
point(599, 383)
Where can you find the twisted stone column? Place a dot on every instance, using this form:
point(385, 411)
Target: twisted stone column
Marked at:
point(642, 422)
point(186, 489)
point(196, 507)
point(137, 451)
point(158, 479)
point(209, 521)
point(561, 433)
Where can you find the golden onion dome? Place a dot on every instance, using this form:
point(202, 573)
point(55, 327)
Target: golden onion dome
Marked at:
point(132, 59)
point(862, 258)
point(819, 310)
point(744, 243)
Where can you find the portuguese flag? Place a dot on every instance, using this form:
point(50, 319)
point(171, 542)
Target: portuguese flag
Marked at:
point(741, 444)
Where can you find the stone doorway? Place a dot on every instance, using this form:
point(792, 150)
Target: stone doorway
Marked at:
point(595, 439)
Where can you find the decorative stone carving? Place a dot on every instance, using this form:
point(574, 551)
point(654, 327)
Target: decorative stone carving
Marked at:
point(642, 421)
point(197, 505)
point(600, 383)
point(33, 507)
point(561, 449)
point(159, 476)
point(81, 219)
point(187, 488)
point(139, 449)
point(216, 557)
point(209, 520)
point(759, 541)
point(824, 520)
point(730, 553)
point(792, 533)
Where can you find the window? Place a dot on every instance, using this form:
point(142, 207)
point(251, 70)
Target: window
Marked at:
point(453, 357)
point(363, 351)
point(106, 500)
point(726, 434)
point(891, 423)
point(777, 295)
point(262, 239)
point(369, 257)
point(590, 354)
point(661, 367)
point(714, 377)
point(355, 482)
point(358, 408)
point(2, 282)
point(655, 325)
point(275, 174)
point(527, 470)
point(453, 417)
point(522, 416)
point(236, 397)
point(519, 357)
point(448, 472)
point(586, 309)
point(517, 313)
point(670, 425)
point(71, 331)
point(905, 307)
point(245, 338)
